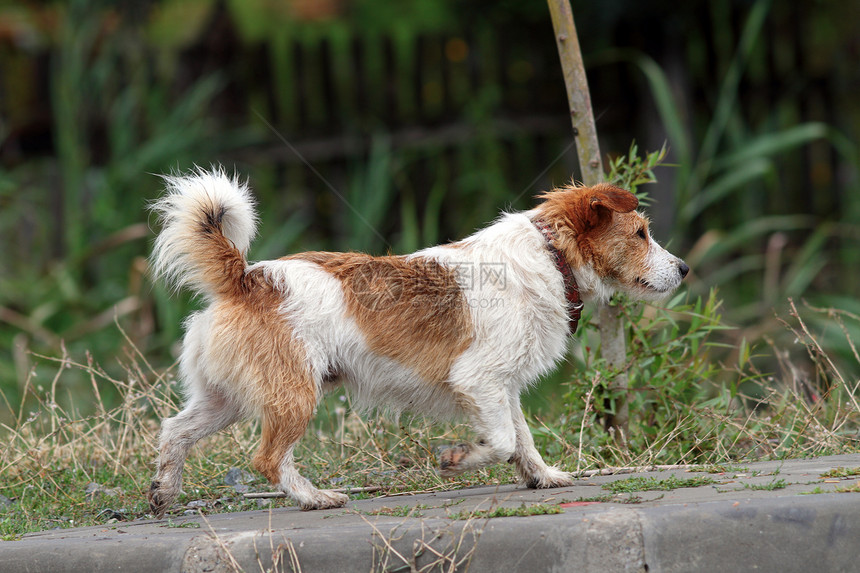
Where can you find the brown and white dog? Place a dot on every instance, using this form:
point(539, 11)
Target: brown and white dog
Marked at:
point(456, 330)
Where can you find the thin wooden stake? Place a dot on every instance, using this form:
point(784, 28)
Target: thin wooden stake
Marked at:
point(612, 339)
point(578, 96)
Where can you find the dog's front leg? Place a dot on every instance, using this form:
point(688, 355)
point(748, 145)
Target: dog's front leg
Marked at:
point(491, 420)
point(530, 465)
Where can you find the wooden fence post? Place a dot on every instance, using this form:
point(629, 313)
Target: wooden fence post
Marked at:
point(612, 339)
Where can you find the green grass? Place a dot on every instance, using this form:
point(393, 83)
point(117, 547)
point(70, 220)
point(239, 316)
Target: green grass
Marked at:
point(521, 511)
point(772, 486)
point(637, 483)
point(690, 406)
point(184, 525)
point(853, 488)
point(720, 469)
point(841, 472)
point(607, 498)
point(57, 499)
point(400, 511)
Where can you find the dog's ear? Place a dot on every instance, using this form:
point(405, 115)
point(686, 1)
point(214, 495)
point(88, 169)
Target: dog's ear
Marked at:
point(609, 197)
point(586, 208)
point(597, 203)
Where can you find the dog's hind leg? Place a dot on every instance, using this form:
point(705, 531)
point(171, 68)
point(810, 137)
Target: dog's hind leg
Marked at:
point(285, 418)
point(207, 412)
point(489, 413)
point(529, 463)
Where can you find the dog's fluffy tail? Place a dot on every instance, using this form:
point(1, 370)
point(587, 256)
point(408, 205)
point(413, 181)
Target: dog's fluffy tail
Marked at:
point(208, 222)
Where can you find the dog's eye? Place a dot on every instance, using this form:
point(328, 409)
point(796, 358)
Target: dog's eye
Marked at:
point(641, 233)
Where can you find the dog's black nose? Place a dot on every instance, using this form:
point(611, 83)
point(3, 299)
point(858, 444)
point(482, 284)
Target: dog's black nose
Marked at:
point(683, 269)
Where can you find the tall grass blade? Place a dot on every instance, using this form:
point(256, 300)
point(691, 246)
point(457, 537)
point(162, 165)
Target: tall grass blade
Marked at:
point(728, 94)
point(807, 263)
point(775, 143)
point(734, 180)
point(749, 231)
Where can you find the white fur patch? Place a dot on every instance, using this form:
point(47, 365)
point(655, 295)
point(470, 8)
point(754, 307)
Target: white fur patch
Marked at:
point(661, 273)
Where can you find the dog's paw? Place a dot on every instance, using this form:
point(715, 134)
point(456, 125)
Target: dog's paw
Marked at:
point(159, 499)
point(451, 459)
point(548, 478)
point(324, 499)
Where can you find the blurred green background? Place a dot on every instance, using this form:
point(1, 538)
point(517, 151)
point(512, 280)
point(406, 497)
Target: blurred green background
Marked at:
point(389, 126)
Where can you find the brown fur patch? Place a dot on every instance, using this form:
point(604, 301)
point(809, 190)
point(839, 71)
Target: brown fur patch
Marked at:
point(224, 266)
point(412, 311)
point(597, 226)
point(267, 366)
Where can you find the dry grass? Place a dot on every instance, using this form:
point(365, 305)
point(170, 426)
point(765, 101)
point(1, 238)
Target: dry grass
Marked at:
point(53, 453)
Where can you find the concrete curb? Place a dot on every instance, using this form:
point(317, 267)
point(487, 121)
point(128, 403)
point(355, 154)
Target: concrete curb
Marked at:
point(803, 534)
point(697, 529)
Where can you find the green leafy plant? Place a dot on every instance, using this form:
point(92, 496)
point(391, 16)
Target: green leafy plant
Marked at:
point(670, 366)
point(630, 171)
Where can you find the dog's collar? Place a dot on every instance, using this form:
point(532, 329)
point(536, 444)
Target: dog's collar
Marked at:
point(571, 289)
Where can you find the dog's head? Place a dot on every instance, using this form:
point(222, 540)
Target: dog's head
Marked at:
point(608, 244)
